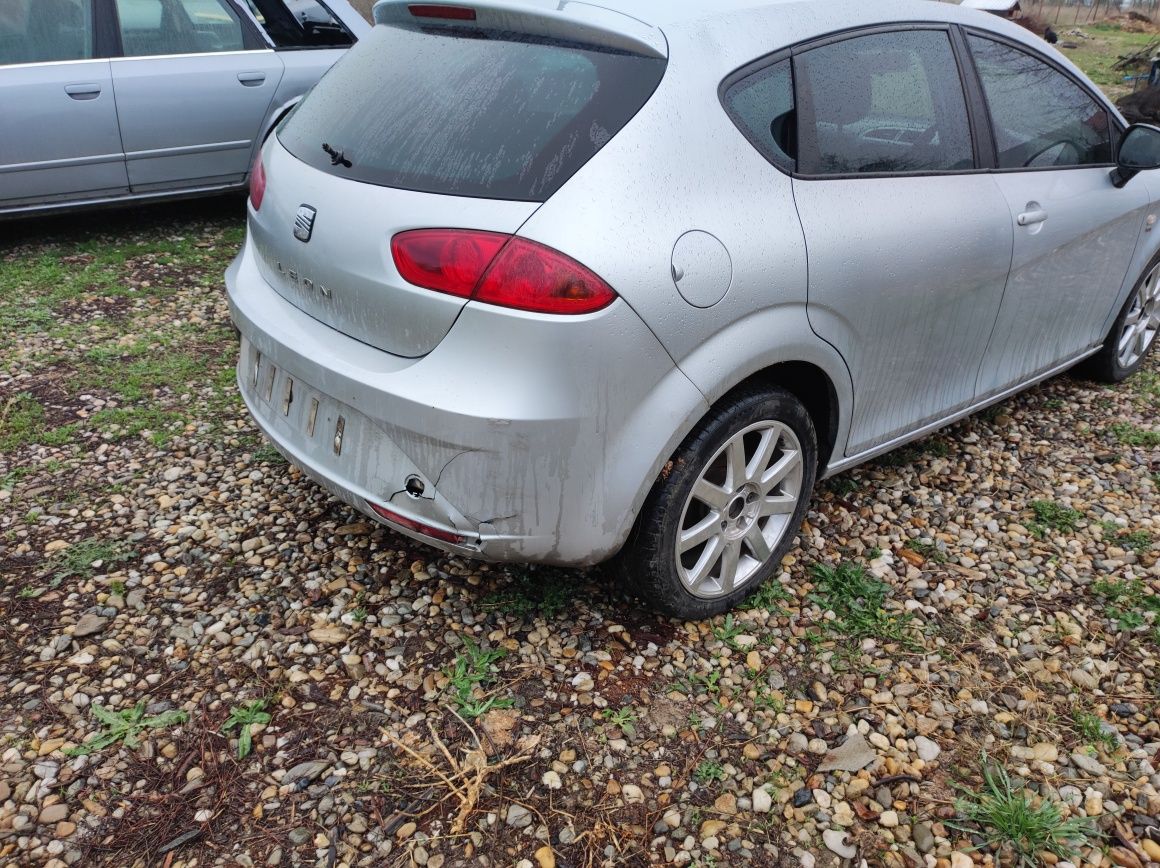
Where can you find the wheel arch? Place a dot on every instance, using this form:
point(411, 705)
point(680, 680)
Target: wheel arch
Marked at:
point(813, 387)
point(793, 358)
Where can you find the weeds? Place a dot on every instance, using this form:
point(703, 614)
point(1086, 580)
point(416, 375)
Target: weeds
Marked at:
point(1092, 730)
point(843, 485)
point(728, 632)
point(623, 719)
point(469, 673)
point(78, 560)
point(1127, 602)
point(267, 454)
point(1050, 515)
point(709, 772)
point(769, 597)
point(1016, 823)
point(928, 550)
point(533, 591)
point(857, 598)
point(696, 683)
point(242, 718)
point(125, 727)
point(23, 423)
point(1134, 435)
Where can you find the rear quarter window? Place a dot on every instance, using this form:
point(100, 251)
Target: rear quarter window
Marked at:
point(467, 113)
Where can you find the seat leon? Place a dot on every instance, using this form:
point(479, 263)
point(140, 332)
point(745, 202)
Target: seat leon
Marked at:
point(566, 283)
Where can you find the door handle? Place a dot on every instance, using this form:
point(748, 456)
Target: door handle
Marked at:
point(251, 79)
point(1031, 217)
point(83, 91)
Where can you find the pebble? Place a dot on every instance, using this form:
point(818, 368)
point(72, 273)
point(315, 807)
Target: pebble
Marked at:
point(239, 571)
point(835, 840)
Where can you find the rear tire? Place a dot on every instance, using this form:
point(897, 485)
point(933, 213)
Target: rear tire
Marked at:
point(718, 522)
point(1133, 334)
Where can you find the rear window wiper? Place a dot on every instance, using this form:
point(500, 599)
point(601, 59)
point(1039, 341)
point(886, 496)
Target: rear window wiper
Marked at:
point(337, 156)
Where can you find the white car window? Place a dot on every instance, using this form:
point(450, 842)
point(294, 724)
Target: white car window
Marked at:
point(155, 27)
point(40, 31)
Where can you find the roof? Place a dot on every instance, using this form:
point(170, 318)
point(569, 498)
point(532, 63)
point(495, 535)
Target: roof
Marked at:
point(991, 5)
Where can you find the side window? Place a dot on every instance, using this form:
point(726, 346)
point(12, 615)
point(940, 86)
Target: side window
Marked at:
point(886, 102)
point(762, 106)
point(1040, 116)
point(41, 31)
point(155, 27)
point(300, 24)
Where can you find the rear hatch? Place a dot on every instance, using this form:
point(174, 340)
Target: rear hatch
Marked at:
point(436, 123)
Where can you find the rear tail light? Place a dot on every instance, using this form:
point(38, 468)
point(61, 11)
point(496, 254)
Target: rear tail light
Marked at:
point(439, 10)
point(498, 269)
point(417, 526)
point(257, 183)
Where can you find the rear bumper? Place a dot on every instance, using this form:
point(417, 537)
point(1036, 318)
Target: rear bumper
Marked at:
point(535, 438)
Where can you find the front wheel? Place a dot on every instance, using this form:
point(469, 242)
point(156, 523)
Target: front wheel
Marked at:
point(1133, 333)
point(717, 524)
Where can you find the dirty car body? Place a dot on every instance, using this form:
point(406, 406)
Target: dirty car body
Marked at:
point(524, 280)
point(111, 102)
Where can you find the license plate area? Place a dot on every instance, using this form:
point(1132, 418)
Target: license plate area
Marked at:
point(288, 402)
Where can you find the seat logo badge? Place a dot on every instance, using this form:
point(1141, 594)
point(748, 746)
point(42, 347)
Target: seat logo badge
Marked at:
point(304, 223)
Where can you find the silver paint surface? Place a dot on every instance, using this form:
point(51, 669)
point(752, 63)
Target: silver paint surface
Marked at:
point(539, 437)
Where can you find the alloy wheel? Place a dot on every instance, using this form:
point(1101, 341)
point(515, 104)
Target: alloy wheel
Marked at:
point(1142, 322)
point(739, 509)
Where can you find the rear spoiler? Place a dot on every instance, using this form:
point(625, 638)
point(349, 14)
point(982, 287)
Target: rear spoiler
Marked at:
point(567, 20)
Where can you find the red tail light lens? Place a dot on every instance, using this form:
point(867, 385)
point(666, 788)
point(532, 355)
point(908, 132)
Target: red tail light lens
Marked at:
point(530, 276)
point(446, 260)
point(257, 183)
point(417, 526)
point(499, 269)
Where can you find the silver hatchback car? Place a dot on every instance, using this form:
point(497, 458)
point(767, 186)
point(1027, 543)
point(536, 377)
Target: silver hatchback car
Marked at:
point(111, 102)
point(552, 282)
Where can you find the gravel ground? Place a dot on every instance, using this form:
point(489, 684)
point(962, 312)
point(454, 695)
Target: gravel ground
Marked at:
point(175, 595)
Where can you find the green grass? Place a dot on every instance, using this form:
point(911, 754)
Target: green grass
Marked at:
point(1097, 55)
point(1017, 825)
point(78, 559)
point(1127, 602)
point(906, 455)
point(1134, 435)
point(1091, 730)
point(125, 727)
point(242, 718)
point(1050, 515)
point(267, 454)
point(23, 422)
point(769, 597)
point(532, 591)
point(469, 674)
point(927, 549)
point(842, 485)
point(857, 599)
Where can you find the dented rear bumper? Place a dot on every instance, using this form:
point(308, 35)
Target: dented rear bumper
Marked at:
point(523, 445)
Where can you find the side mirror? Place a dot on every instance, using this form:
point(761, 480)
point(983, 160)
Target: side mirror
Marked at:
point(1139, 150)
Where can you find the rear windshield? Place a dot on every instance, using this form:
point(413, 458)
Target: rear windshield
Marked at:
point(467, 113)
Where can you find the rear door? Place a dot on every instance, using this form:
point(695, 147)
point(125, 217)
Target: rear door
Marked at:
point(193, 90)
point(908, 244)
point(58, 135)
point(1074, 230)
